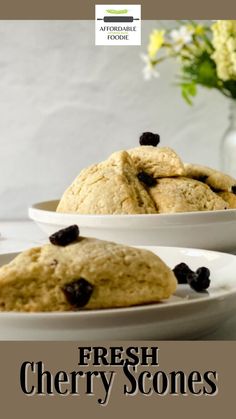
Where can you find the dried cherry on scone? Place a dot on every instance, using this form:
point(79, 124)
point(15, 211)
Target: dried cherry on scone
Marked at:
point(78, 292)
point(65, 236)
point(148, 138)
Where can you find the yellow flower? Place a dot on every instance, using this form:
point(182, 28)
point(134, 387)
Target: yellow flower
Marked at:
point(195, 29)
point(224, 42)
point(199, 30)
point(190, 27)
point(156, 40)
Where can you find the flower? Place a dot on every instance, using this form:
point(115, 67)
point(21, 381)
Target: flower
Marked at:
point(181, 37)
point(156, 40)
point(224, 43)
point(199, 30)
point(205, 52)
point(149, 70)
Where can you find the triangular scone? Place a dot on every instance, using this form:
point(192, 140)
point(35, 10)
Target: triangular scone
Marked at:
point(115, 275)
point(183, 195)
point(110, 187)
point(157, 161)
point(217, 180)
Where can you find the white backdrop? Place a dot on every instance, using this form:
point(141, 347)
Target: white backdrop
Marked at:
point(66, 103)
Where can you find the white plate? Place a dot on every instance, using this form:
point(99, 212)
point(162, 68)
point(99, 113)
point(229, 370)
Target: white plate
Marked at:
point(185, 315)
point(213, 230)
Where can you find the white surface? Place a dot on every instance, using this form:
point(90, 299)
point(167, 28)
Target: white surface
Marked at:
point(11, 240)
point(17, 236)
point(185, 315)
point(66, 103)
point(214, 230)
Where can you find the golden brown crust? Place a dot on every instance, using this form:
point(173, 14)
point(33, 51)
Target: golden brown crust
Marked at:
point(229, 197)
point(157, 161)
point(217, 180)
point(183, 195)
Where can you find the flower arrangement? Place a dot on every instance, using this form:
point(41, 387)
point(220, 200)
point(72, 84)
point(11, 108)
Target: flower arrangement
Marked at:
point(206, 53)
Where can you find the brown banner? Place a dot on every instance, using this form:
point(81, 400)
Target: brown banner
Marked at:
point(151, 9)
point(176, 379)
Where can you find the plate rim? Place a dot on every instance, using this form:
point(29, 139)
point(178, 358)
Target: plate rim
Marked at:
point(193, 218)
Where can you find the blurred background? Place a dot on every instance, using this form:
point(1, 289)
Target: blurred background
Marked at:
point(66, 103)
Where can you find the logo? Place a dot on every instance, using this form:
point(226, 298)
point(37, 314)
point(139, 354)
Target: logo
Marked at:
point(117, 24)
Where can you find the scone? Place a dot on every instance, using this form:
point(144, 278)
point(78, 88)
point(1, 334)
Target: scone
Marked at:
point(110, 187)
point(157, 161)
point(87, 274)
point(217, 180)
point(183, 195)
point(229, 197)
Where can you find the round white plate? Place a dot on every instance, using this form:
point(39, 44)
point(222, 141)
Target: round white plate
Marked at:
point(213, 230)
point(186, 315)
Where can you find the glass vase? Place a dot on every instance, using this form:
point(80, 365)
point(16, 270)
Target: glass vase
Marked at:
point(228, 145)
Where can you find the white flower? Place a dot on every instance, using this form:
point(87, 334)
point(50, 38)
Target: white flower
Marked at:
point(149, 70)
point(181, 37)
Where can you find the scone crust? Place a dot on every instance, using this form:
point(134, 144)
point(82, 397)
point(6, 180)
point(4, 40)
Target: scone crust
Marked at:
point(229, 197)
point(217, 180)
point(157, 161)
point(121, 276)
point(111, 187)
point(184, 195)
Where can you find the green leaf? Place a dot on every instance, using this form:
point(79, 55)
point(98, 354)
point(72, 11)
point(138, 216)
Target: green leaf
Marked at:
point(230, 86)
point(202, 70)
point(207, 74)
point(188, 90)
